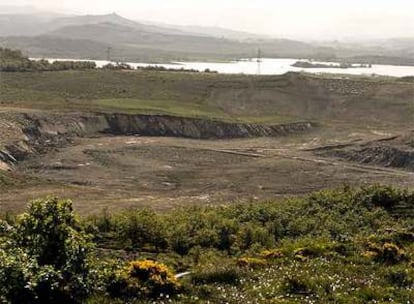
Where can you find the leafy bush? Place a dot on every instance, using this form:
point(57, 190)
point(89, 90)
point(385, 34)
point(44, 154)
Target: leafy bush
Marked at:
point(401, 278)
point(224, 275)
point(117, 66)
point(16, 269)
point(388, 253)
point(297, 285)
point(141, 228)
point(272, 254)
point(46, 256)
point(380, 196)
point(251, 262)
point(144, 279)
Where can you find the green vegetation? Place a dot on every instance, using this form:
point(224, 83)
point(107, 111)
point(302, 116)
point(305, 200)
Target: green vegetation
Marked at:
point(342, 65)
point(139, 92)
point(178, 69)
point(170, 107)
point(14, 61)
point(236, 98)
point(345, 245)
point(44, 256)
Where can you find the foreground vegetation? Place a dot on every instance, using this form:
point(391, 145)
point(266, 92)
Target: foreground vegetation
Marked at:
point(342, 246)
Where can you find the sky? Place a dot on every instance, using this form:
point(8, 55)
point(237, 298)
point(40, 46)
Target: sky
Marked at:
point(300, 19)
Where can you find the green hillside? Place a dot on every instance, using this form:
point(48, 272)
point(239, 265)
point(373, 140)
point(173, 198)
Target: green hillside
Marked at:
point(226, 97)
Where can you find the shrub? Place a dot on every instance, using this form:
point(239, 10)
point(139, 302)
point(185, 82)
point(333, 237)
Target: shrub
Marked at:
point(297, 285)
point(312, 251)
point(15, 275)
point(380, 196)
point(144, 278)
point(224, 275)
point(142, 228)
point(251, 262)
point(388, 253)
point(117, 66)
point(400, 278)
point(48, 252)
point(272, 254)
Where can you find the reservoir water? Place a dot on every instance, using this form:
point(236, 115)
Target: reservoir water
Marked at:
point(271, 66)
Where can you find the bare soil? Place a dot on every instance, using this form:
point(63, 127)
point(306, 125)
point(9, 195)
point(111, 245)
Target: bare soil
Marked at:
point(120, 172)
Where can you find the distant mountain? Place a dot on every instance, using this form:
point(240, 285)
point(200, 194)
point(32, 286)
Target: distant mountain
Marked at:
point(54, 47)
point(110, 18)
point(404, 45)
point(396, 51)
point(185, 47)
point(129, 40)
point(210, 31)
point(42, 34)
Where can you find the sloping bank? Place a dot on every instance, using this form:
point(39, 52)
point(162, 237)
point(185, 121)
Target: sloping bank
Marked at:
point(38, 132)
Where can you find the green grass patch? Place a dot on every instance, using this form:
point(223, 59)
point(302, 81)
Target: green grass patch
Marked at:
point(168, 107)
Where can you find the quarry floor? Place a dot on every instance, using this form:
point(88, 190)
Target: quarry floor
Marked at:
point(121, 172)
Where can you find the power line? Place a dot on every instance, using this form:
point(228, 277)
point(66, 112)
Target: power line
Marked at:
point(259, 61)
point(108, 53)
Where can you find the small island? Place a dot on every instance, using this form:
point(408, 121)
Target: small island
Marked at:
point(343, 65)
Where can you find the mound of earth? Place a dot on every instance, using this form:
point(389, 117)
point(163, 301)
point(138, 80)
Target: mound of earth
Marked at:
point(395, 152)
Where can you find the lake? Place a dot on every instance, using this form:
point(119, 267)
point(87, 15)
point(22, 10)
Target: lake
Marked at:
point(271, 66)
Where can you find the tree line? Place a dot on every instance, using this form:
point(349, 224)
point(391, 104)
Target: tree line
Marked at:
point(15, 61)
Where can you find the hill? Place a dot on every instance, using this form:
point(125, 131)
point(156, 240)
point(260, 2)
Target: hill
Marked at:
point(210, 31)
point(356, 100)
point(41, 35)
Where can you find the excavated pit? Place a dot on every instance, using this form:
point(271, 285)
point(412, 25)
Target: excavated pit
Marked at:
point(37, 133)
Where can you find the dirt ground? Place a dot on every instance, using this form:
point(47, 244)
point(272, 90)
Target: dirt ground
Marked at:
point(159, 172)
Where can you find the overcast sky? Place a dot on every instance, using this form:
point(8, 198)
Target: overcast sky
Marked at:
point(304, 19)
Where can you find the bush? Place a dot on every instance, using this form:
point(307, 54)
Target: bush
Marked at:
point(224, 275)
point(388, 253)
point(15, 275)
point(117, 66)
point(144, 279)
point(48, 253)
point(272, 254)
point(297, 285)
point(142, 228)
point(313, 251)
point(380, 196)
point(251, 263)
point(400, 278)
